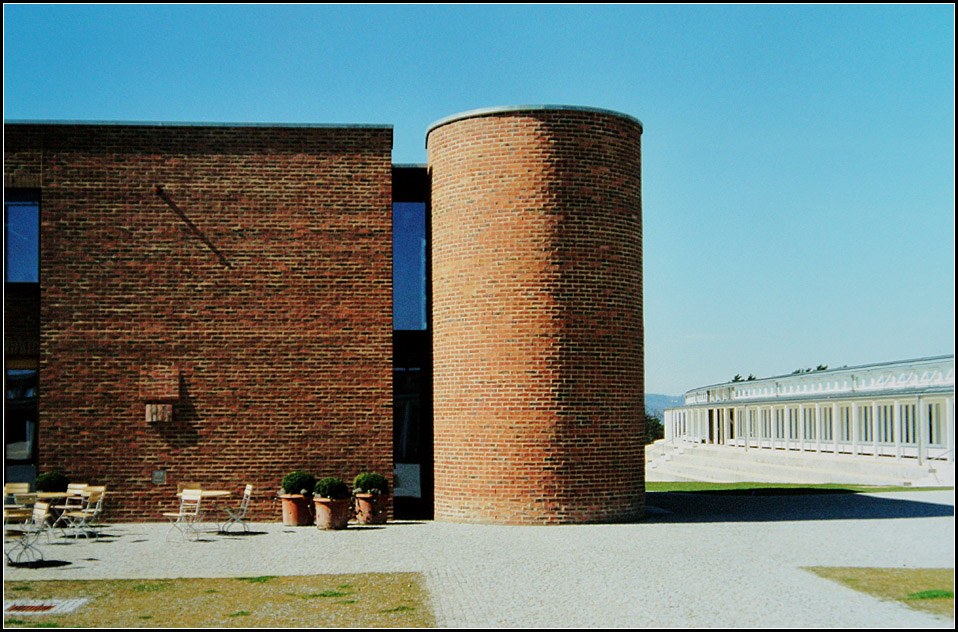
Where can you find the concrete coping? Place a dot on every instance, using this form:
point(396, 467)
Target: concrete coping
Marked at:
point(526, 108)
point(194, 124)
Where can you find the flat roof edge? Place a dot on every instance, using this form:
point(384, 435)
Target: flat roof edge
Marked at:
point(843, 369)
point(198, 124)
point(502, 109)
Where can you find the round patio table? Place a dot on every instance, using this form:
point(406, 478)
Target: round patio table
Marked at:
point(211, 493)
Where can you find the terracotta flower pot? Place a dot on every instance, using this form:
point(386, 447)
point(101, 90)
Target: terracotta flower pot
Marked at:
point(297, 510)
point(332, 514)
point(371, 508)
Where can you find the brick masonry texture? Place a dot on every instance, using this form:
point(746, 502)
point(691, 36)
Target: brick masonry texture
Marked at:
point(537, 317)
point(267, 315)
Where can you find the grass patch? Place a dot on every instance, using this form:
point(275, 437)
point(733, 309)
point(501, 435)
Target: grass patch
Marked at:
point(780, 488)
point(933, 594)
point(151, 587)
point(279, 602)
point(928, 589)
point(262, 579)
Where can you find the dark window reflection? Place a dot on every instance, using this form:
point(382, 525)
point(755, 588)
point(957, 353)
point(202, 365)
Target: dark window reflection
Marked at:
point(22, 237)
point(20, 415)
point(409, 265)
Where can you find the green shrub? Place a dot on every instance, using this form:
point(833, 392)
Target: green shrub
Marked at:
point(331, 487)
point(371, 483)
point(297, 482)
point(51, 482)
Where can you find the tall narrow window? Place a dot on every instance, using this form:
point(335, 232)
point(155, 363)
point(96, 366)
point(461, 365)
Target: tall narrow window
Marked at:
point(808, 424)
point(845, 423)
point(409, 265)
point(412, 346)
point(21, 236)
point(909, 424)
point(865, 423)
point(935, 434)
point(827, 424)
point(886, 423)
point(20, 415)
point(793, 423)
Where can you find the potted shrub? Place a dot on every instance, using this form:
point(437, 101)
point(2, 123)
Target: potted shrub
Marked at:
point(296, 495)
point(51, 482)
point(372, 498)
point(332, 499)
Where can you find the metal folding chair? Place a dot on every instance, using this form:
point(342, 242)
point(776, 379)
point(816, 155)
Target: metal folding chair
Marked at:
point(238, 516)
point(22, 538)
point(73, 502)
point(17, 503)
point(188, 518)
point(87, 518)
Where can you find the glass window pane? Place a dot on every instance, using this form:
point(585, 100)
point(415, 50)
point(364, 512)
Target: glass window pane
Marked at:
point(22, 232)
point(20, 414)
point(409, 265)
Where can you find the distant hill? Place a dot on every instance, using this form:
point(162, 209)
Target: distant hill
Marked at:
point(655, 404)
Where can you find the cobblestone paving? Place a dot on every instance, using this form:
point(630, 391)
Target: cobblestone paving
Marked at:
point(701, 561)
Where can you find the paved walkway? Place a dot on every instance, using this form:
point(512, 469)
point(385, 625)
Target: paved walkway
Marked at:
point(697, 561)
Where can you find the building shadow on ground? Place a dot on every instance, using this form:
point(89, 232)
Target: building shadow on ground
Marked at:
point(789, 505)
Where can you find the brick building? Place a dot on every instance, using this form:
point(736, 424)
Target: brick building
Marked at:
point(226, 303)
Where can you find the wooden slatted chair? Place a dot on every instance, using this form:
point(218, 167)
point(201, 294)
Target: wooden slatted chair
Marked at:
point(85, 520)
point(10, 490)
point(189, 516)
point(73, 502)
point(19, 541)
point(238, 516)
point(17, 503)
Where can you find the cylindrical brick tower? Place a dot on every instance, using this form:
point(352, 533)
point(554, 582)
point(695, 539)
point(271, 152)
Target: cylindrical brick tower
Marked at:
point(537, 316)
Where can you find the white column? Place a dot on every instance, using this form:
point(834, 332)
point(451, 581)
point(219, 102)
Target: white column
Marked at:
point(818, 427)
point(854, 407)
point(771, 427)
point(950, 427)
point(897, 427)
point(801, 428)
point(835, 426)
point(874, 423)
point(919, 435)
point(713, 425)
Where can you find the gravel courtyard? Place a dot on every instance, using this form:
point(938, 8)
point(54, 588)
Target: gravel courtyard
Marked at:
point(698, 560)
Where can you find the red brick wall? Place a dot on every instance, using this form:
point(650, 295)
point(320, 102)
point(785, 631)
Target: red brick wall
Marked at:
point(537, 317)
point(281, 336)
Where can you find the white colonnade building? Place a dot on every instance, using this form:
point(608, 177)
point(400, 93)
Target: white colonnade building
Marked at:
point(895, 410)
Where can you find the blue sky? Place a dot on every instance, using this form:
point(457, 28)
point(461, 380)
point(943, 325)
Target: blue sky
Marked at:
point(798, 161)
